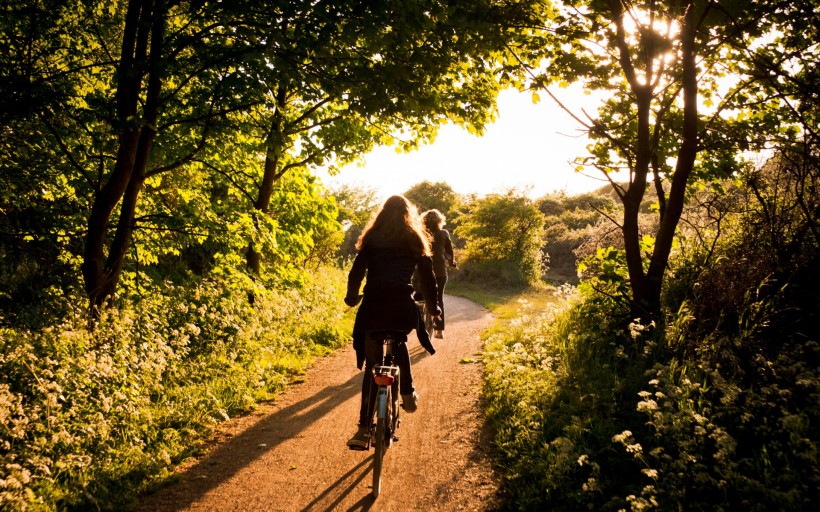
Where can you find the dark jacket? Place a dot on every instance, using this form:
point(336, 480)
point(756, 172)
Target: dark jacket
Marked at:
point(387, 303)
point(442, 251)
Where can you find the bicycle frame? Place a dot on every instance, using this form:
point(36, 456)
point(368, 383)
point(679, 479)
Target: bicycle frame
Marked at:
point(386, 377)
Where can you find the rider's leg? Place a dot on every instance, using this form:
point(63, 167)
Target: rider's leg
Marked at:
point(372, 355)
point(409, 396)
point(402, 358)
point(441, 282)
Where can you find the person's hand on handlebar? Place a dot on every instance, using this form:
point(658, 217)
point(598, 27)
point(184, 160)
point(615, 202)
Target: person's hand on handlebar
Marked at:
point(353, 300)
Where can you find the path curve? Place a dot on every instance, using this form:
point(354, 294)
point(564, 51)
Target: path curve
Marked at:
point(290, 455)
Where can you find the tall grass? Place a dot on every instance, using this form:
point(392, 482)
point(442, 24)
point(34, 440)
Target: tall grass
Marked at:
point(89, 418)
point(551, 392)
point(590, 414)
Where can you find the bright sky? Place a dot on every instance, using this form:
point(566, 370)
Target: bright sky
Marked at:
point(529, 146)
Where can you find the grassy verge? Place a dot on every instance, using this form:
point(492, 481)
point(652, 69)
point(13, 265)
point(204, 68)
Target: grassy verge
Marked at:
point(505, 303)
point(590, 413)
point(90, 418)
point(539, 393)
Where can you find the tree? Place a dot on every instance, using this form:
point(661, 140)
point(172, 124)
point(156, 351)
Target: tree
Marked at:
point(132, 103)
point(41, 197)
point(671, 117)
point(504, 235)
point(344, 77)
point(135, 118)
point(137, 87)
point(356, 205)
point(439, 195)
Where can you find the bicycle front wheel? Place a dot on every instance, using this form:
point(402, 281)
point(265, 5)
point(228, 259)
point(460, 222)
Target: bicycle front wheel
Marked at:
point(382, 418)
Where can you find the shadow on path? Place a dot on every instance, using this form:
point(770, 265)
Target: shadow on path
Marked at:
point(291, 454)
point(225, 461)
point(338, 493)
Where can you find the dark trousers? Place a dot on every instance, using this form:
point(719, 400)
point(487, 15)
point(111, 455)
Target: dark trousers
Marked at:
point(372, 356)
point(441, 281)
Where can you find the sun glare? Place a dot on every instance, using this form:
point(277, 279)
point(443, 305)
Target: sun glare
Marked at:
point(644, 28)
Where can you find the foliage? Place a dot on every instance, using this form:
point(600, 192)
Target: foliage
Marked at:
point(89, 418)
point(356, 205)
point(109, 108)
point(756, 238)
point(717, 410)
point(583, 421)
point(551, 393)
point(569, 222)
point(503, 234)
point(688, 87)
point(439, 196)
point(300, 229)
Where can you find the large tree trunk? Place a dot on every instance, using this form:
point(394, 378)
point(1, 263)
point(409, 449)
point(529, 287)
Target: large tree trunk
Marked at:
point(144, 19)
point(632, 208)
point(633, 196)
point(683, 167)
point(646, 285)
point(274, 147)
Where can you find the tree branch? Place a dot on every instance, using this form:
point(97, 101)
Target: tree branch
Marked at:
point(74, 163)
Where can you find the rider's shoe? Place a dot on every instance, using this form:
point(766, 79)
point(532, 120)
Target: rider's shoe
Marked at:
point(410, 402)
point(439, 334)
point(360, 440)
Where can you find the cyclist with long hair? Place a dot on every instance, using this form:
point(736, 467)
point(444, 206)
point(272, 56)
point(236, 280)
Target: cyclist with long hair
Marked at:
point(391, 247)
point(442, 248)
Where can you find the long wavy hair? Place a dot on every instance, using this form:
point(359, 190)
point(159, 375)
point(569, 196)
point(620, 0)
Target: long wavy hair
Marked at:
point(397, 223)
point(433, 221)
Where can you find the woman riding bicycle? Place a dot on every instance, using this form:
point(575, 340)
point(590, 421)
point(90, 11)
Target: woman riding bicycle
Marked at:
point(391, 246)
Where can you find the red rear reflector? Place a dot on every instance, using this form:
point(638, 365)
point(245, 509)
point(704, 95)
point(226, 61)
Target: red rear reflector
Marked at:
point(383, 380)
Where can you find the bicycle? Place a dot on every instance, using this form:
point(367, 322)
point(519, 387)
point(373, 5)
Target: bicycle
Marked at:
point(386, 377)
point(427, 316)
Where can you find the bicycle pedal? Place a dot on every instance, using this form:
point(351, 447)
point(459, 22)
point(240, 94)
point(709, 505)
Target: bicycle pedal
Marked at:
point(359, 448)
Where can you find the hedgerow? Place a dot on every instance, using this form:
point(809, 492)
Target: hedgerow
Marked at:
point(89, 417)
point(590, 416)
point(717, 409)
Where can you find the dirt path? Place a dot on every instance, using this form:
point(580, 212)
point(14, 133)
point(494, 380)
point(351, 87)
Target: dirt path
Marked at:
point(290, 455)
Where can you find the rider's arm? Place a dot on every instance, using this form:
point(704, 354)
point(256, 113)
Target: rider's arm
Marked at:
point(448, 248)
point(355, 278)
point(428, 282)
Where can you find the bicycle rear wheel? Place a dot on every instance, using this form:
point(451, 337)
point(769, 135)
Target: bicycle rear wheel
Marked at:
point(428, 321)
point(382, 419)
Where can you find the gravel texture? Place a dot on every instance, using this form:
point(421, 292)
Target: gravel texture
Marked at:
point(290, 454)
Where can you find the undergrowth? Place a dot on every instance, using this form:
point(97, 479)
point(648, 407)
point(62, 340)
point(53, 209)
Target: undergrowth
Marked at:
point(590, 415)
point(716, 409)
point(91, 417)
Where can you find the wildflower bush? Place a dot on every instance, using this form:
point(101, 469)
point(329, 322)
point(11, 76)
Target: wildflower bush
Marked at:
point(90, 417)
point(588, 415)
point(555, 384)
point(716, 409)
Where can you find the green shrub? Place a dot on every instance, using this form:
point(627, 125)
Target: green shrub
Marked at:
point(88, 418)
point(718, 409)
point(503, 235)
point(589, 415)
point(555, 389)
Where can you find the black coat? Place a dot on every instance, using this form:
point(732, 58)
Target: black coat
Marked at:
point(387, 302)
point(442, 247)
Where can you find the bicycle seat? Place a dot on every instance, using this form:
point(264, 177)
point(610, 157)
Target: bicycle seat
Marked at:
point(399, 336)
